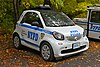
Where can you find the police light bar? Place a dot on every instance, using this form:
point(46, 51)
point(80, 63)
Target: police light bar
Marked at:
point(94, 7)
point(97, 5)
point(41, 7)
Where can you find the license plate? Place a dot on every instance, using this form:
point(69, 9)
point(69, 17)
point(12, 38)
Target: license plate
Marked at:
point(76, 45)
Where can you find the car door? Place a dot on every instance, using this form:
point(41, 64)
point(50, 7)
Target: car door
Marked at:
point(94, 31)
point(31, 29)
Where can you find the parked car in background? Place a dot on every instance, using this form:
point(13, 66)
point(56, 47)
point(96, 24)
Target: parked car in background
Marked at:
point(91, 24)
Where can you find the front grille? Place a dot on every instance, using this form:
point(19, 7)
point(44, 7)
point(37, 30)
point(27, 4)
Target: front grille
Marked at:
point(73, 38)
point(72, 50)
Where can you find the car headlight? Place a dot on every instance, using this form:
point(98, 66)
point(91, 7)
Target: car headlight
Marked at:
point(84, 33)
point(58, 36)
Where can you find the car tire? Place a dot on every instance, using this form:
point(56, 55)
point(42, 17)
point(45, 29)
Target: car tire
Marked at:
point(17, 41)
point(47, 51)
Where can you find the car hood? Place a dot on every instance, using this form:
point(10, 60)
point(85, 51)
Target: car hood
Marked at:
point(67, 30)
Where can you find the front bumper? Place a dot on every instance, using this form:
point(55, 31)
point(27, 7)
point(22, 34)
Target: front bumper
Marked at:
point(64, 48)
point(70, 52)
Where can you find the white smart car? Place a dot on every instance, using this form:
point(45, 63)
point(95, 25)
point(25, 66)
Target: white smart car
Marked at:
point(50, 32)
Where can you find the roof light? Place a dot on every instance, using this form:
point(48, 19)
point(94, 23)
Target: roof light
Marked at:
point(41, 7)
point(97, 5)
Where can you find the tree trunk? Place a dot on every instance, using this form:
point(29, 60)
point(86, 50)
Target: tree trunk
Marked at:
point(16, 4)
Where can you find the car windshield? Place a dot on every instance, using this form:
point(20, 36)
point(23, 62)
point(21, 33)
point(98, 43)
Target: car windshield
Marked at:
point(56, 19)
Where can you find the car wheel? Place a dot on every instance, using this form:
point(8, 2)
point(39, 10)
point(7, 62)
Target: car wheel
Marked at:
point(47, 51)
point(16, 41)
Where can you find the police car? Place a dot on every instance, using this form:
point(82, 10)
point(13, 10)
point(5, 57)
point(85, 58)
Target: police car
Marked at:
point(52, 33)
point(92, 23)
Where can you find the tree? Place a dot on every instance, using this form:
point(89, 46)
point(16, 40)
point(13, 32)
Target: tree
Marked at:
point(6, 16)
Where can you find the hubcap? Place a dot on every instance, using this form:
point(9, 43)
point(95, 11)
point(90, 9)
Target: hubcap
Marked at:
point(46, 52)
point(16, 41)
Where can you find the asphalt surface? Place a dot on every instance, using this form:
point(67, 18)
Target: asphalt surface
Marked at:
point(11, 57)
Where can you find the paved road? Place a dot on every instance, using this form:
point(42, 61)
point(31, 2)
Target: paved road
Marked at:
point(11, 57)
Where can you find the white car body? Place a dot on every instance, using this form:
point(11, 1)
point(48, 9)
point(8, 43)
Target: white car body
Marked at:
point(71, 44)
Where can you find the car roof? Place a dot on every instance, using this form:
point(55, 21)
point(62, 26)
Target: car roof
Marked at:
point(48, 11)
point(41, 8)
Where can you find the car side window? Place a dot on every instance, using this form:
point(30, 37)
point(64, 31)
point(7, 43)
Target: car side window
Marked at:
point(33, 19)
point(95, 17)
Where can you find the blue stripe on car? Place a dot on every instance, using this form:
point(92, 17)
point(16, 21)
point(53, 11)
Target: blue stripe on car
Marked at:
point(35, 28)
point(93, 30)
point(30, 43)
